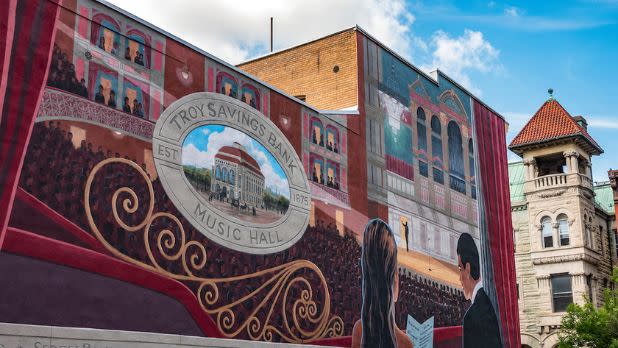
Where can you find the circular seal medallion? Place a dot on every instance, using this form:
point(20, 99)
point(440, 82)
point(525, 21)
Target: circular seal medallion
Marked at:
point(231, 173)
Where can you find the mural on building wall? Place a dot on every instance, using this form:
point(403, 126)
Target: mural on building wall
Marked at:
point(207, 206)
point(429, 161)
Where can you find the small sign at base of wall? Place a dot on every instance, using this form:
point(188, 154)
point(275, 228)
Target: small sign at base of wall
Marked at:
point(231, 173)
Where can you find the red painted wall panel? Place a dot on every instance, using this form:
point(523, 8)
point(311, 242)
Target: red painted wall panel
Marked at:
point(491, 144)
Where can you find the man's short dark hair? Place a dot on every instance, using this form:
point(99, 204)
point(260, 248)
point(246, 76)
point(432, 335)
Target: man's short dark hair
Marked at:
point(466, 249)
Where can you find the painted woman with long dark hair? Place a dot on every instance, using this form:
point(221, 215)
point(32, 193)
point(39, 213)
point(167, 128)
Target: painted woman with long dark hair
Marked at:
point(377, 328)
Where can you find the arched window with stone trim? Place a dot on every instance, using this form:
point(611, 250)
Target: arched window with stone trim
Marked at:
point(224, 174)
point(563, 229)
point(421, 133)
point(456, 158)
point(472, 169)
point(436, 150)
point(546, 230)
point(232, 178)
point(218, 173)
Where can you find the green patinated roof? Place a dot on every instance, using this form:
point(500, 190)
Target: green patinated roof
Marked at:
point(604, 197)
point(516, 181)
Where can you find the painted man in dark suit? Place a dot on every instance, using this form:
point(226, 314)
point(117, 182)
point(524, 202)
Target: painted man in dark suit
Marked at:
point(480, 326)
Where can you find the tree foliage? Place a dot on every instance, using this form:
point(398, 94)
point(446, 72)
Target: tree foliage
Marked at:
point(199, 177)
point(588, 326)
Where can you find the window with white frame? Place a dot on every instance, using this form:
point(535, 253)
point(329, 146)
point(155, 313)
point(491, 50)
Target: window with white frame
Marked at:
point(546, 229)
point(563, 229)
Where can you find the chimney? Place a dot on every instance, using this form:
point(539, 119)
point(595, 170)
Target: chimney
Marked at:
point(581, 121)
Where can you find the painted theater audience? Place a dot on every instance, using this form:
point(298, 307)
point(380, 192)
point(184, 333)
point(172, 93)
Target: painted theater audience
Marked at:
point(62, 74)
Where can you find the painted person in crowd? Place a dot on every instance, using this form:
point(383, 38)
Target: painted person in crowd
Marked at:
point(380, 289)
point(99, 97)
point(480, 325)
point(112, 99)
point(125, 105)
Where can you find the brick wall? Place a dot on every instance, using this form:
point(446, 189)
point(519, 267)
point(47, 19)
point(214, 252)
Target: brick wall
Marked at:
point(309, 70)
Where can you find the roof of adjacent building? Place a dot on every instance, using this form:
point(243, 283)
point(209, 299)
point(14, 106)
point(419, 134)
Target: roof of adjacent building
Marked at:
point(516, 181)
point(237, 154)
point(604, 197)
point(552, 122)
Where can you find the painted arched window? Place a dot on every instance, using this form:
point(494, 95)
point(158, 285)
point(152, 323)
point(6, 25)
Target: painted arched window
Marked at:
point(421, 133)
point(224, 174)
point(218, 173)
point(250, 95)
point(105, 33)
point(137, 47)
point(548, 238)
point(436, 149)
point(472, 169)
point(232, 178)
point(563, 229)
point(455, 158)
point(227, 84)
point(332, 138)
point(317, 132)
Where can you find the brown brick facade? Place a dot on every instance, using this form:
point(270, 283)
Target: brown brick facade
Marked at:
point(309, 70)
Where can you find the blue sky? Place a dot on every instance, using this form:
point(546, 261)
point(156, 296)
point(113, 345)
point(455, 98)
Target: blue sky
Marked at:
point(203, 143)
point(571, 46)
point(508, 53)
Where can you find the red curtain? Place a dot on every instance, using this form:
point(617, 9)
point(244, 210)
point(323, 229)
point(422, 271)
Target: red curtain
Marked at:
point(26, 39)
point(491, 143)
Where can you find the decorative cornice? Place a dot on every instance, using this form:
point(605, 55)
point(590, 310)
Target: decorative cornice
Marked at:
point(551, 194)
point(565, 258)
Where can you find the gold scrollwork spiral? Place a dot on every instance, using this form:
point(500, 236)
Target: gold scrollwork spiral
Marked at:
point(282, 288)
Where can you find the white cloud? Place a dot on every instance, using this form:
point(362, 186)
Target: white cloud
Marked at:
point(603, 122)
point(191, 155)
point(236, 30)
point(512, 11)
point(458, 56)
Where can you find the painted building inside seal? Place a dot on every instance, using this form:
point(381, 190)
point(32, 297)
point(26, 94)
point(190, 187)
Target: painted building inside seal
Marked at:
point(238, 175)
